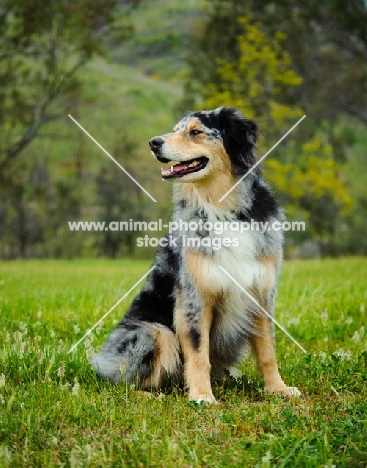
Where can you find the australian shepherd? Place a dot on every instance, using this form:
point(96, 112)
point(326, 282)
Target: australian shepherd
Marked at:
point(191, 318)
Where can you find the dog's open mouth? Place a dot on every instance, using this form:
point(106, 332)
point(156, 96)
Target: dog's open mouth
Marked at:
point(183, 168)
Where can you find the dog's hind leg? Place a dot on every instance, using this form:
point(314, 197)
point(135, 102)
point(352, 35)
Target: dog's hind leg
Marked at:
point(143, 347)
point(140, 352)
point(166, 359)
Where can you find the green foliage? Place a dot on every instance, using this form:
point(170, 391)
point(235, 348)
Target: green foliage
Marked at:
point(214, 36)
point(327, 41)
point(258, 80)
point(41, 48)
point(54, 410)
point(167, 42)
point(122, 114)
point(53, 180)
point(119, 199)
point(312, 187)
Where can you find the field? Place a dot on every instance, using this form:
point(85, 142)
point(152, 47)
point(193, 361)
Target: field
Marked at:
point(54, 411)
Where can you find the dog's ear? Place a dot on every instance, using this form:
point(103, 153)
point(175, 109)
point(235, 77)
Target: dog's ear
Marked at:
point(239, 137)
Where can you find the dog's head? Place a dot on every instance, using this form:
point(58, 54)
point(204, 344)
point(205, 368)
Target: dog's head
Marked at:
point(205, 142)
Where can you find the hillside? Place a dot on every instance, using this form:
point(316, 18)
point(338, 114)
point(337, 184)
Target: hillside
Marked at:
point(162, 30)
point(125, 97)
point(117, 102)
point(131, 94)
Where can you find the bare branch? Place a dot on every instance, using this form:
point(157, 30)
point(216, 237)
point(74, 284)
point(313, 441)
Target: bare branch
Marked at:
point(40, 114)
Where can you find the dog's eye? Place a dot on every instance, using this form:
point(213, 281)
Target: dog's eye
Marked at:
point(195, 132)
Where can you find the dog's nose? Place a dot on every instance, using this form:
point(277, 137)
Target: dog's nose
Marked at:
point(155, 143)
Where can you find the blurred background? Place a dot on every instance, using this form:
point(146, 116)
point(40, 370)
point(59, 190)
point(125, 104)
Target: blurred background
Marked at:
point(126, 71)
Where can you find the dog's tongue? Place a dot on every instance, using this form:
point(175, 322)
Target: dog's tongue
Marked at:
point(173, 169)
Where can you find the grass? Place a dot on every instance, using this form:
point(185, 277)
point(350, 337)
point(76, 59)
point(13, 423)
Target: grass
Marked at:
point(54, 411)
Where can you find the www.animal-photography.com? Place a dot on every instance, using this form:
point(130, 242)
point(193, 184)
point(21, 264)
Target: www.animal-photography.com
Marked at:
point(183, 240)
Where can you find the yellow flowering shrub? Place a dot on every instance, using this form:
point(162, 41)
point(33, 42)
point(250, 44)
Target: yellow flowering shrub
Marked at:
point(312, 183)
point(257, 81)
point(308, 180)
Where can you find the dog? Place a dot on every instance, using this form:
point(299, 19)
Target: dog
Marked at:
point(191, 318)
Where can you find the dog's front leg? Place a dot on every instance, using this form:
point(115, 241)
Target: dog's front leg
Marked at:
point(263, 347)
point(193, 321)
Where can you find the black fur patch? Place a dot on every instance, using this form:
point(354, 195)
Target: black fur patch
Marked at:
point(195, 338)
point(156, 304)
point(263, 203)
point(131, 342)
point(129, 325)
point(172, 259)
point(239, 138)
point(145, 368)
point(209, 119)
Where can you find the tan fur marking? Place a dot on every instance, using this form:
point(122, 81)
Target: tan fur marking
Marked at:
point(211, 190)
point(194, 124)
point(271, 264)
point(262, 345)
point(274, 261)
point(216, 183)
point(194, 262)
point(166, 359)
point(262, 341)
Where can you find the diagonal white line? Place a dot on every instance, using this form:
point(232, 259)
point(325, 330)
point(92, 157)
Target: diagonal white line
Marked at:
point(113, 307)
point(265, 311)
point(113, 159)
point(261, 159)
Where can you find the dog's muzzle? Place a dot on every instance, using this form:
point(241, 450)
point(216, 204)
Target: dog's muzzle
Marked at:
point(156, 144)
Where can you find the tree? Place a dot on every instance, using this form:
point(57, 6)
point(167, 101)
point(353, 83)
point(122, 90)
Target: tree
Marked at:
point(327, 41)
point(261, 81)
point(119, 199)
point(312, 188)
point(42, 46)
point(213, 37)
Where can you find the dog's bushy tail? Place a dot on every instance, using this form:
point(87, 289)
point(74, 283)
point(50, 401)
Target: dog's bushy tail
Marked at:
point(141, 352)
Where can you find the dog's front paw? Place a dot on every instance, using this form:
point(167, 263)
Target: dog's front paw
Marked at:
point(206, 399)
point(292, 392)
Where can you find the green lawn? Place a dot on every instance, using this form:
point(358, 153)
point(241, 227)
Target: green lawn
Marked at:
point(54, 411)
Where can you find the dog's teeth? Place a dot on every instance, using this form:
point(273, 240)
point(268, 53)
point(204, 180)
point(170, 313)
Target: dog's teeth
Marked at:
point(171, 169)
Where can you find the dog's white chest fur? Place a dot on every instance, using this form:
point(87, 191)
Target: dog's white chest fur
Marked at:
point(238, 260)
point(233, 313)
